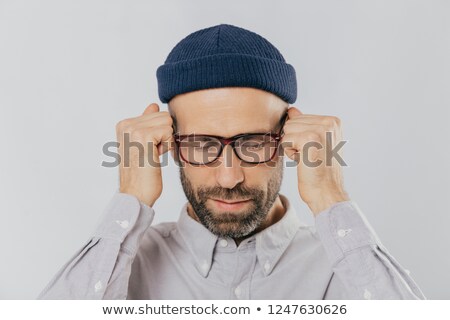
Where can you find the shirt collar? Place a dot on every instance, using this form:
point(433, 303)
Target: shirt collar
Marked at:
point(270, 242)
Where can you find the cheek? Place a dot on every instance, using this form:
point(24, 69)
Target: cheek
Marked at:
point(200, 175)
point(258, 176)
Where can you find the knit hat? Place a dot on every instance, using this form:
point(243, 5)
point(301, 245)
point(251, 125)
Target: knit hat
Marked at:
point(225, 56)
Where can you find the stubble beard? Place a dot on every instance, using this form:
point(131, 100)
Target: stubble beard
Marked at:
point(233, 224)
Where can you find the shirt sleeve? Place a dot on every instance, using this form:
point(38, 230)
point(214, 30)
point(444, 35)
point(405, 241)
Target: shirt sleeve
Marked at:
point(101, 268)
point(363, 268)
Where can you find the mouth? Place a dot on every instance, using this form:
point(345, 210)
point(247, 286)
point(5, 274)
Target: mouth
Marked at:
point(230, 201)
point(231, 204)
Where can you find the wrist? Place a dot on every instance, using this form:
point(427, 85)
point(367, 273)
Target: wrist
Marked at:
point(325, 200)
point(145, 198)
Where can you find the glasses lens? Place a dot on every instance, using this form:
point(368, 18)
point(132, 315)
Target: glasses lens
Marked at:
point(199, 149)
point(256, 148)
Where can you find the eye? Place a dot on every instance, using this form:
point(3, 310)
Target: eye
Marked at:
point(253, 141)
point(255, 145)
point(206, 144)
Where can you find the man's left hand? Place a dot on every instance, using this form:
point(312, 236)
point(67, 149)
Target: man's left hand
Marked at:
point(320, 181)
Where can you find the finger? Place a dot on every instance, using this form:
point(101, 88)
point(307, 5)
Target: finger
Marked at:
point(163, 136)
point(153, 119)
point(294, 142)
point(295, 126)
point(327, 121)
point(152, 108)
point(157, 141)
point(293, 113)
point(166, 145)
point(148, 116)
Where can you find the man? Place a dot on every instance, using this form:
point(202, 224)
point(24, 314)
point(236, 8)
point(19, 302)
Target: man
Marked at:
point(228, 91)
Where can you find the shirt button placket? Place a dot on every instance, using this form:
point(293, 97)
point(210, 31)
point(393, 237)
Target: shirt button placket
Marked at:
point(98, 286)
point(246, 261)
point(223, 243)
point(238, 292)
point(267, 266)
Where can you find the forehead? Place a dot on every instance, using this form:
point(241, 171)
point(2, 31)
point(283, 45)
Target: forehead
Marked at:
point(227, 111)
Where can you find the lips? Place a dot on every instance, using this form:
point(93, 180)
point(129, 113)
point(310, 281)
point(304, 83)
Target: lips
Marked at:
point(231, 205)
point(231, 201)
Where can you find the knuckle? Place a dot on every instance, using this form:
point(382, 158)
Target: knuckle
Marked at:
point(123, 125)
point(331, 121)
point(337, 121)
point(168, 118)
point(311, 136)
point(168, 128)
point(160, 120)
point(287, 126)
point(168, 121)
point(327, 121)
point(334, 121)
point(165, 132)
point(138, 134)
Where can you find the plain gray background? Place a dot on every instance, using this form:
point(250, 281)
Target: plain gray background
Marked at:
point(70, 70)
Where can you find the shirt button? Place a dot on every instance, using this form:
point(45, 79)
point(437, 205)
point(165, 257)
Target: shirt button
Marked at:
point(98, 286)
point(124, 224)
point(367, 294)
point(205, 266)
point(223, 243)
point(342, 233)
point(267, 266)
point(237, 291)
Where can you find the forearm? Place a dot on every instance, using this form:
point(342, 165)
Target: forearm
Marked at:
point(101, 268)
point(365, 268)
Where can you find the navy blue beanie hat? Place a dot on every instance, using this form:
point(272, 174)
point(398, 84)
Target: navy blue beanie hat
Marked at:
point(225, 56)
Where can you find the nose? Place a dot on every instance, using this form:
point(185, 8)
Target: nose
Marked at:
point(229, 171)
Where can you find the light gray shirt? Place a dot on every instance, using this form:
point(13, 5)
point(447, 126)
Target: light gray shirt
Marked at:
point(340, 257)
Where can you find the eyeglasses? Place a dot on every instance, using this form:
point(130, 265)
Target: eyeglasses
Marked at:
point(251, 148)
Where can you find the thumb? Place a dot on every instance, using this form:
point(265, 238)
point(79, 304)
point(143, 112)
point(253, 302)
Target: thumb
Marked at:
point(293, 112)
point(151, 108)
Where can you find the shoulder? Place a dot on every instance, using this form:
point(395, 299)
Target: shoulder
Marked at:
point(156, 245)
point(307, 241)
point(308, 251)
point(157, 238)
point(163, 229)
point(307, 235)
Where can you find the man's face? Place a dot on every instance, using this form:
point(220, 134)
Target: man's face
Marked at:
point(227, 112)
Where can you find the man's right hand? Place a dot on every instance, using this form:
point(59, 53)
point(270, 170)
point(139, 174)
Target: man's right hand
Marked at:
point(153, 131)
